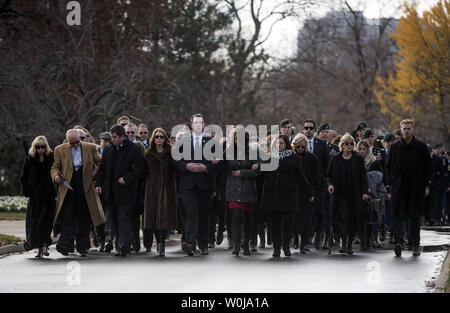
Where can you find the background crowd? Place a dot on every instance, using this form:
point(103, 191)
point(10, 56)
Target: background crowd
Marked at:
point(328, 189)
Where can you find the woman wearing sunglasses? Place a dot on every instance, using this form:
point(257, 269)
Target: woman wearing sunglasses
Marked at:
point(281, 193)
point(38, 187)
point(347, 182)
point(304, 217)
point(160, 205)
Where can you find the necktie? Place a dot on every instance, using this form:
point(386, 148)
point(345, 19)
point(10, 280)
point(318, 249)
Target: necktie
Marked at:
point(197, 149)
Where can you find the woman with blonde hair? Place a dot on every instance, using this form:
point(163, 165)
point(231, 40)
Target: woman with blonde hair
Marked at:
point(304, 217)
point(347, 182)
point(37, 185)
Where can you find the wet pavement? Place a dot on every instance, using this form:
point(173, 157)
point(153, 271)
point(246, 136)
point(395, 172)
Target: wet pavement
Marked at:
point(220, 271)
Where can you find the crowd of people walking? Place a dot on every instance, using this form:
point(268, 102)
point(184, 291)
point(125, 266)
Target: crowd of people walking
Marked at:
point(327, 189)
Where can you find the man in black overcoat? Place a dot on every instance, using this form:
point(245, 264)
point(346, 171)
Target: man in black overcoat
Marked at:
point(122, 166)
point(408, 173)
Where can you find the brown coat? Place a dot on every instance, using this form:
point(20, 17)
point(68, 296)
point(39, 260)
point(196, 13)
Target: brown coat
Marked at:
point(63, 164)
point(160, 204)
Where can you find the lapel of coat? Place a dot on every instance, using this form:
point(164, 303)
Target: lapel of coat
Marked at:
point(84, 157)
point(68, 152)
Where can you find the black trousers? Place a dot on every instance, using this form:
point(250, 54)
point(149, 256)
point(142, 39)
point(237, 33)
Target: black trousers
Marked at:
point(303, 222)
point(237, 217)
point(75, 216)
point(347, 220)
point(318, 213)
point(103, 232)
point(197, 205)
point(135, 223)
point(120, 221)
point(217, 216)
point(399, 229)
point(282, 228)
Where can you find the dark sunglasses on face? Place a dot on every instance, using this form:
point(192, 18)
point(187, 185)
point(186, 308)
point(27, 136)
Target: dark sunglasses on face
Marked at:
point(159, 137)
point(141, 133)
point(298, 147)
point(40, 147)
point(308, 128)
point(130, 133)
point(82, 137)
point(124, 124)
point(348, 143)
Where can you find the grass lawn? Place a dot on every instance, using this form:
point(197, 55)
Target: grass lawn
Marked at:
point(12, 215)
point(7, 240)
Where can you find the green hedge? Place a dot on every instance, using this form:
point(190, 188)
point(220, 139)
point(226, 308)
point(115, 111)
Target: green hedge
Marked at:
point(13, 204)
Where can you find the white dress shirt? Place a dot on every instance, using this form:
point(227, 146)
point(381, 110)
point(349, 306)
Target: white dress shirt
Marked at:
point(76, 158)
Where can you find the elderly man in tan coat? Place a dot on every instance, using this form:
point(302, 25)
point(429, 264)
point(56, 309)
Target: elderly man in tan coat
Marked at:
point(77, 203)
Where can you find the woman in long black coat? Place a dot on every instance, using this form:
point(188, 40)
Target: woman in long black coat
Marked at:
point(304, 218)
point(37, 185)
point(281, 193)
point(347, 182)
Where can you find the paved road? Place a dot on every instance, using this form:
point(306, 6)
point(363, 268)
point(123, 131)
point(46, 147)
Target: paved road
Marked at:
point(375, 271)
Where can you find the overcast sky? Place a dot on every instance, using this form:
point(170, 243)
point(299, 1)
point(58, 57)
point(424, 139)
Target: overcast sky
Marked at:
point(283, 40)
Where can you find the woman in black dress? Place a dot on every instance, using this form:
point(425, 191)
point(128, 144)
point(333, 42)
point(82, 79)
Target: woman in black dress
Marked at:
point(281, 193)
point(347, 181)
point(37, 185)
point(304, 217)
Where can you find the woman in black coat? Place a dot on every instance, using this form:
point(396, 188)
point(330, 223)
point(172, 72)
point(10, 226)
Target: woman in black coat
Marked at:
point(241, 191)
point(37, 185)
point(304, 218)
point(281, 194)
point(347, 181)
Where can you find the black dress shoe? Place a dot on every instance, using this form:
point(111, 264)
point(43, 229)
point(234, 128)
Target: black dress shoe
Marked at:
point(82, 253)
point(62, 250)
point(302, 250)
point(108, 247)
point(219, 239)
point(253, 247)
point(162, 249)
point(211, 245)
point(398, 250)
point(246, 250)
point(204, 251)
point(124, 251)
point(287, 251)
point(148, 249)
point(187, 248)
point(276, 253)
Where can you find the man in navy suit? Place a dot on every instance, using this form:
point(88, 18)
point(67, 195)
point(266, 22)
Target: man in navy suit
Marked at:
point(197, 185)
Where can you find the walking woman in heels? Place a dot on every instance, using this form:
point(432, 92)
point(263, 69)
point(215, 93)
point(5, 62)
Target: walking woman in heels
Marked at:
point(160, 204)
point(37, 185)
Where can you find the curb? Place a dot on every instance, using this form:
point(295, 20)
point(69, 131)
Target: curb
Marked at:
point(12, 248)
point(441, 283)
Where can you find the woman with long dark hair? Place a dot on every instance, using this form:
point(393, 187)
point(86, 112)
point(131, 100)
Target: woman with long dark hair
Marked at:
point(281, 193)
point(241, 192)
point(160, 205)
point(37, 185)
point(347, 181)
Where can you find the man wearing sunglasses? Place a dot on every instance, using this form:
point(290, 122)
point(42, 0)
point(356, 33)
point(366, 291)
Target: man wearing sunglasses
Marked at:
point(78, 205)
point(320, 150)
point(142, 135)
point(123, 120)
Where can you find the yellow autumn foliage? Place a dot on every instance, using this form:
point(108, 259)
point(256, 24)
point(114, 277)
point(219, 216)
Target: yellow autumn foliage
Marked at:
point(419, 85)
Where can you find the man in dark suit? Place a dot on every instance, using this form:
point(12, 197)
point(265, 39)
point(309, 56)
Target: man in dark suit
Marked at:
point(122, 166)
point(320, 150)
point(431, 205)
point(197, 186)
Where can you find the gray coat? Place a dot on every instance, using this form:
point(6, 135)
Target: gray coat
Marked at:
point(243, 188)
